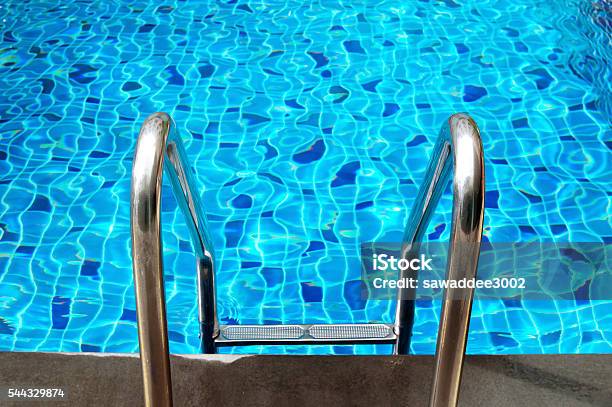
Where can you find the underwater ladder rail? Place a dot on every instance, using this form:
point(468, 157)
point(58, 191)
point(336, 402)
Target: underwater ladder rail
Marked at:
point(458, 151)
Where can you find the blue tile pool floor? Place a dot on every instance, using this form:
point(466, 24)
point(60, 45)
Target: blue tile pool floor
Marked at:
point(309, 125)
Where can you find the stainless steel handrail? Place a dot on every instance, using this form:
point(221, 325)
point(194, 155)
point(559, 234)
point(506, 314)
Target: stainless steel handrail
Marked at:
point(458, 151)
point(158, 138)
point(458, 148)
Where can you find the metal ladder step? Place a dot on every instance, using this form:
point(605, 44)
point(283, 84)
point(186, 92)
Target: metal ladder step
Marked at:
point(244, 335)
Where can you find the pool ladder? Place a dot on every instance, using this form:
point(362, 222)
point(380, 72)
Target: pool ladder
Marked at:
point(458, 151)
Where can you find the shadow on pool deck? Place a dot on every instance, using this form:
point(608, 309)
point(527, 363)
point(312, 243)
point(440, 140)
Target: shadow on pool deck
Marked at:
point(90, 379)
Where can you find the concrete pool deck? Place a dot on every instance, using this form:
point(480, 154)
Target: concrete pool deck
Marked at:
point(93, 379)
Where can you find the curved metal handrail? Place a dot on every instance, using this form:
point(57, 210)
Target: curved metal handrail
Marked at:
point(459, 148)
point(158, 138)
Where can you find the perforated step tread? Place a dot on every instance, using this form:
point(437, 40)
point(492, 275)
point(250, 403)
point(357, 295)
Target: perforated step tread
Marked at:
point(235, 335)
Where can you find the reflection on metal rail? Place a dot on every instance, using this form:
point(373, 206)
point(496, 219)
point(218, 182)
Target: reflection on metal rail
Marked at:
point(158, 141)
point(458, 151)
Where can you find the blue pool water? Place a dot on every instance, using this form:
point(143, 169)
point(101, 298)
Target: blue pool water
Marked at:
point(309, 125)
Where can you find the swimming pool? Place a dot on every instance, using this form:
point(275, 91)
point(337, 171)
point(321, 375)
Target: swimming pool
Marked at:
point(309, 126)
